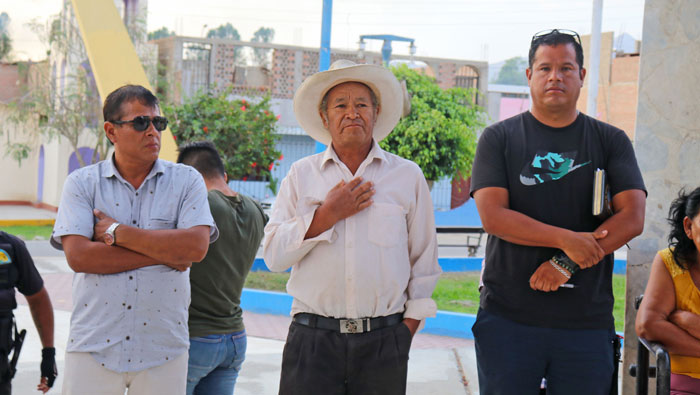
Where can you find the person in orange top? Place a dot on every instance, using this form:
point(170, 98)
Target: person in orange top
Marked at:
point(670, 311)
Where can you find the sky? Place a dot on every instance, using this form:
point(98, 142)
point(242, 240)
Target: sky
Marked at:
point(487, 30)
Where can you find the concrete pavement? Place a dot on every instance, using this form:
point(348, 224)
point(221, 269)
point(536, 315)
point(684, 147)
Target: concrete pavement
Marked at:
point(25, 215)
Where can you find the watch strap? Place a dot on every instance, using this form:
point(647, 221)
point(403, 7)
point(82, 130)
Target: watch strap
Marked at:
point(110, 231)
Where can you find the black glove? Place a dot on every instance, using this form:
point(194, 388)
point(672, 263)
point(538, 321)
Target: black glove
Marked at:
point(48, 365)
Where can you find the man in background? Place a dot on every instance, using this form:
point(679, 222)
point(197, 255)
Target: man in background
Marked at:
point(217, 334)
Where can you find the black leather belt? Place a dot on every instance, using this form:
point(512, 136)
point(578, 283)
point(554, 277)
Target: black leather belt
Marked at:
point(344, 325)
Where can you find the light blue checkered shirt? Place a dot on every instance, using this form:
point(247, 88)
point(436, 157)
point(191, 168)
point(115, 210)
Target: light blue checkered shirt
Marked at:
point(137, 319)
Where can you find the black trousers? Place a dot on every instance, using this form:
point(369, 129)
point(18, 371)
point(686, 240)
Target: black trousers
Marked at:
point(5, 387)
point(319, 361)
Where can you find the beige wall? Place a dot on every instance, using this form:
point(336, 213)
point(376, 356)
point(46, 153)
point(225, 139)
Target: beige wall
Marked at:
point(17, 182)
point(617, 88)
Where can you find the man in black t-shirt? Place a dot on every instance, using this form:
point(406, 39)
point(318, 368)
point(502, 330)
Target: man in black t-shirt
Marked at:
point(532, 181)
point(17, 270)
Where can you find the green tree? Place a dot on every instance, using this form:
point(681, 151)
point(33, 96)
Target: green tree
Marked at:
point(160, 33)
point(5, 41)
point(66, 107)
point(263, 55)
point(224, 31)
point(242, 130)
point(513, 72)
point(440, 132)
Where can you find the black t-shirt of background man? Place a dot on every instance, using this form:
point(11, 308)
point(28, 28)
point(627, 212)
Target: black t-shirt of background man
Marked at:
point(549, 176)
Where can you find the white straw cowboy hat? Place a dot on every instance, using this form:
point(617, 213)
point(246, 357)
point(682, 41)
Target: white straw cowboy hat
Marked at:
point(385, 86)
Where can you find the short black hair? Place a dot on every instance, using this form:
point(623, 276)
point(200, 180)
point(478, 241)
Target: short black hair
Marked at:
point(112, 108)
point(553, 39)
point(685, 205)
point(203, 156)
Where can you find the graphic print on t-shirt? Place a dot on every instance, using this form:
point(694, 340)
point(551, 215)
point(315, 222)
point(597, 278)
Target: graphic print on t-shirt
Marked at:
point(549, 166)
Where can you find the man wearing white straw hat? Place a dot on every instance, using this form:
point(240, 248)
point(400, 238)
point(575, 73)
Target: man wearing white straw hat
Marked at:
point(355, 224)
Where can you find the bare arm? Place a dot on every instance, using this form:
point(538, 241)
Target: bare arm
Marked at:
point(653, 318)
point(164, 245)
point(626, 223)
point(688, 321)
point(87, 256)
point(499, 220)
point(42, 313)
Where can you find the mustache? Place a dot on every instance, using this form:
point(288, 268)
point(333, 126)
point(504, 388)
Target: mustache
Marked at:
point(558, 87)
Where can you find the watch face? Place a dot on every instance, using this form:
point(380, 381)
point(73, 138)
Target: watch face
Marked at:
point(109, 239)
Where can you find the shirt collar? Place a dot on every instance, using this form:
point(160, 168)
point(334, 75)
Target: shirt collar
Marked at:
point(374, 153)
point(110, 170)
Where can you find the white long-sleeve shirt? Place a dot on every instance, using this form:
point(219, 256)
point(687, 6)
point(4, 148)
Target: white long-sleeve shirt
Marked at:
point(380, 261)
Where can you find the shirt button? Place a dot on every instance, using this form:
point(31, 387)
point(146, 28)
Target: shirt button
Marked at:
point(128, 307)
point(133, 222)
point(131, 277)
point(137, 193)
point(128, 338)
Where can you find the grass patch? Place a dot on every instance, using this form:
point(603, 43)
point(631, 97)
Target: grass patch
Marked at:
point(458, 292)
point(29, 232)
point(267, 281)
point(619, 294)
point(455, 291)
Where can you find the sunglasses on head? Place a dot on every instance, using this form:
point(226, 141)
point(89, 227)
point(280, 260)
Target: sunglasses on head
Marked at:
point(142, 122)
point(549, 32)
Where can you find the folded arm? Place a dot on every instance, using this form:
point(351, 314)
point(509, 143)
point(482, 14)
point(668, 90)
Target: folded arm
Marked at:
point(178, 246)
point(654, 318)
point(499, 220)
point(688, 321)
point(95, 257)
point(626, 223)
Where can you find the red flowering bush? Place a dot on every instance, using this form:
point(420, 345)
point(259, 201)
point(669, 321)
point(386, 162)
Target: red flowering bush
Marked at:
point(242, 130)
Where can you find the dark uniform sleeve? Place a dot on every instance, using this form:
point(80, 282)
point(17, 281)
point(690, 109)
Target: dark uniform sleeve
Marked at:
point(29, 281)
point(489, 169)
point(622, 168)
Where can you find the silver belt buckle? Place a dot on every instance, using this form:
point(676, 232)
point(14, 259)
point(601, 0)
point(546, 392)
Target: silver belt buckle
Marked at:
point(351, 326)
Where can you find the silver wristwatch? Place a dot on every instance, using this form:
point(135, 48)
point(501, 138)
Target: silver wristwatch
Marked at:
point(109, 238)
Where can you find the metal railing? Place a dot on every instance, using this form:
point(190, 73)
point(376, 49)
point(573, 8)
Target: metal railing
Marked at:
point(641, 371)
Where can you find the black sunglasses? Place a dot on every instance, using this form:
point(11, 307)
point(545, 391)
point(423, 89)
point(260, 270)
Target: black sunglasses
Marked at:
point(142, 122)
point(549, 32)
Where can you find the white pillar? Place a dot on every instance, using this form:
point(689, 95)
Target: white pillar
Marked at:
point(594, 64)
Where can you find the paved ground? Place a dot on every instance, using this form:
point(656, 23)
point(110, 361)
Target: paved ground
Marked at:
point(20, 212)
point(438, 365)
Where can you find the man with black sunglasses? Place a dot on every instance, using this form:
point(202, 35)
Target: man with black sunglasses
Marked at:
point(131, 226)
point(546, 306)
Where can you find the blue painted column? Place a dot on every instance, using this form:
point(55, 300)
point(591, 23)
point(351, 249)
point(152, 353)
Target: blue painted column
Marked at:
point(325, 54)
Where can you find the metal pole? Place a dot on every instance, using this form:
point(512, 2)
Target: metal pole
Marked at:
point(324, 60)
point(594, 64)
